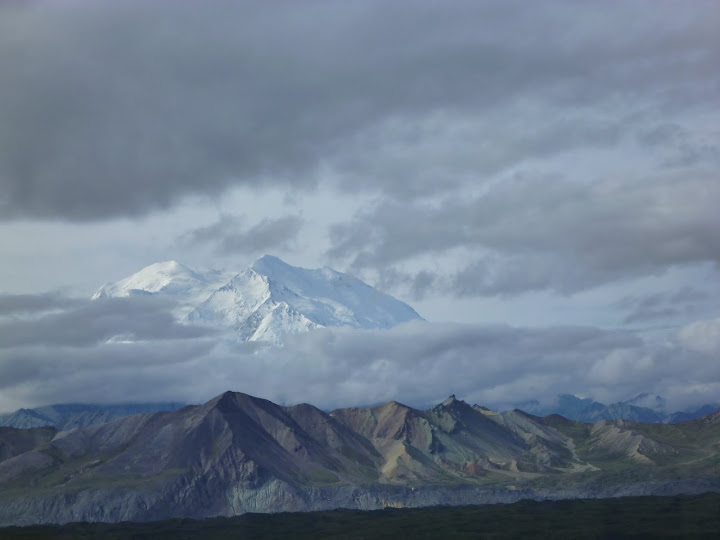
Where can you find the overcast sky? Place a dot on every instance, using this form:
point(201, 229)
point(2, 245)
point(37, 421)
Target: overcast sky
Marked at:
point(540, 180)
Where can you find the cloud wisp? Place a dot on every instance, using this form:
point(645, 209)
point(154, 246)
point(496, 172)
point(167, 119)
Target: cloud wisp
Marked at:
point(229, 235)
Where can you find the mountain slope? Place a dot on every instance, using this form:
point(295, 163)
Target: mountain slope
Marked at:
point(237, 453)
point(454, 442)
point(267, 301)
point(330, 298)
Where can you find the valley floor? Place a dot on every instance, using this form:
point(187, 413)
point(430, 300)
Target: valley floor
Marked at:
point(696, 516)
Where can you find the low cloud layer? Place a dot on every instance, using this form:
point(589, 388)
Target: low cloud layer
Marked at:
point(23, 304)
point(418, 363)
point(144, 318)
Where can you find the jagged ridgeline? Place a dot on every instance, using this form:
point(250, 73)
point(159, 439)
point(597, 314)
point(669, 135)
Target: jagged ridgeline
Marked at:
point(237, 454)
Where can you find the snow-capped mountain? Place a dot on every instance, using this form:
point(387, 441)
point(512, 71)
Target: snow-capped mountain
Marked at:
point(267, 301)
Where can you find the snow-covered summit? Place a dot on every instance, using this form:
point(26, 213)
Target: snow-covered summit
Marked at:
point(170, 279)
point(162, 277)
point(267, 301)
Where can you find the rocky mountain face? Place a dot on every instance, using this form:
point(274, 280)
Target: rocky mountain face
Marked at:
point(267, 301)
point(237, 453)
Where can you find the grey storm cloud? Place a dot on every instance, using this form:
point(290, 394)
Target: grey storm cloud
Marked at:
point(230, 235)
point(533, 234)
point(119, 108)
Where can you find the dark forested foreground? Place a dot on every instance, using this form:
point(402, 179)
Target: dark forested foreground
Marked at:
point(696, 516)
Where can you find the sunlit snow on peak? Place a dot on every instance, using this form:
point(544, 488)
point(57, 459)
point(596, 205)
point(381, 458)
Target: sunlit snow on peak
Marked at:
point(267, 301)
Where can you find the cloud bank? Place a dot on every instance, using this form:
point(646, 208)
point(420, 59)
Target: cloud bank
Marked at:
point(49, 360)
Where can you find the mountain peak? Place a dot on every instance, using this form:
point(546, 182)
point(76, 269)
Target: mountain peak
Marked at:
point(170, 268)
point(167, 277)
point(167, 266)
point(230, 400)
point(269, 262)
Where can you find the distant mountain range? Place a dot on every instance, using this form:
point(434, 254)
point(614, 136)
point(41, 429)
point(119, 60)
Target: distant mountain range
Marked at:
point(641, 408)
point(267, 301)
point(72, 415)
point(238, 453)
point(67, 416)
